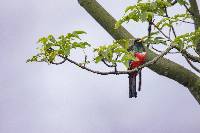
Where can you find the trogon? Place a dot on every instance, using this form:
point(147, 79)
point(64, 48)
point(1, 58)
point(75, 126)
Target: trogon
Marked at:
point(138, 51)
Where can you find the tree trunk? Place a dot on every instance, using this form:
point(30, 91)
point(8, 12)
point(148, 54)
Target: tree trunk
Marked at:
point(196, 17)
point(163, 67)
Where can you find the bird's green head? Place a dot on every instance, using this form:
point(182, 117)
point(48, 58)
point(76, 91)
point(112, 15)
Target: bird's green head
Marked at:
point(137, 45)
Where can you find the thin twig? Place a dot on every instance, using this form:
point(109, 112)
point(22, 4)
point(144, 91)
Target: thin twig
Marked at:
point(108, 65)
point(170, 32)
point(116, 63)
point(58, 63)
point(161, 31)
point(120, 72)
point(186, 22)
point(162, 51)
point(173, 29)
point(188, 55)
point(191, 13)
point(183, 52)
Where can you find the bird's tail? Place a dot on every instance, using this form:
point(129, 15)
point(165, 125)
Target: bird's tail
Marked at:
point(132, 86)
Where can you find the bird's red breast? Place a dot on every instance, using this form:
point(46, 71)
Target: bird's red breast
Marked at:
point(140, 58)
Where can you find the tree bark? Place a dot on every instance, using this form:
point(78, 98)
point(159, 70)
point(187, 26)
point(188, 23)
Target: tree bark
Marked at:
point(163, 67)
point(196, 17)
point(195, 13)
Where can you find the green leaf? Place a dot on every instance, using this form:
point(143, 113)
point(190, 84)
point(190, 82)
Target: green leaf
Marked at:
point(51, 38)
point(42, 40)
point(33, 59)
point(182, 2)
point(79, 32)
point(129, 8)
point(98, 59)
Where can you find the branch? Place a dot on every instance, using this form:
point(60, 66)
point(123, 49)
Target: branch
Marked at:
point(99, 72)
point(183, 52)
point(188, 55)
point(108, 65)
point(163, 66)
point(190, 63)
point(196, 18)
point(195, 10)
point(58, 63)
point(173, 30)
point(162, 51)
point(186, 22)
point(158, 57)
point(175, 1)
point(115, 72)
point(187, 9)
point(161, 31)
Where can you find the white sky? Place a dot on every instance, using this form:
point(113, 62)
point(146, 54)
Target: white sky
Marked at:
point(38, 98)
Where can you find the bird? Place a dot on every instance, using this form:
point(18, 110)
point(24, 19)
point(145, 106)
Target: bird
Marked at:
point(138, 51)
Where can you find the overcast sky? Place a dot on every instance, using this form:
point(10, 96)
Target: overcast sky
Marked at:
point(41, 98)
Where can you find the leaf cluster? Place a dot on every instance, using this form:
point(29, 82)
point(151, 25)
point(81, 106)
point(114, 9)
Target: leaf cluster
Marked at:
point(169, 21)
point(144, 11)
point(117, 52)
point(51, 47)
point(154, 39)
point(188, 40)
